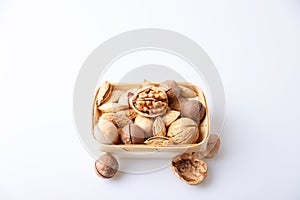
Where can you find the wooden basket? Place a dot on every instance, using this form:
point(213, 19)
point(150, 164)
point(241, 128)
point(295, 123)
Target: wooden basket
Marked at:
point(200, 146)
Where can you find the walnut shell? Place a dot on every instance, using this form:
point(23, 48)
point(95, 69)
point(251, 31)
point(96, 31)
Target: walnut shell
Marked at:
point(149, 101)
point(106, 166)
point(189, 168)
point(105, 132)
point(183, 131)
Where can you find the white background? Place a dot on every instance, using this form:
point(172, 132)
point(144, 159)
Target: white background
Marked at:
point(254, 44)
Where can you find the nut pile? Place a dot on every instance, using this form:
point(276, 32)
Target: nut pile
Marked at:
point(157, 114)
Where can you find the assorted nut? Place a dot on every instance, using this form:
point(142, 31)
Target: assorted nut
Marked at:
point(154, 114)
point(132, 134)
point(157, 114)
point(189, 168)
point(106, 166)
point(183, 131)
point(106, 132)
point(149, 101)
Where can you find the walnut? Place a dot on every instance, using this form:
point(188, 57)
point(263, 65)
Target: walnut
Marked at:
point(189, 168)
point(183, 131)
point(149, 101)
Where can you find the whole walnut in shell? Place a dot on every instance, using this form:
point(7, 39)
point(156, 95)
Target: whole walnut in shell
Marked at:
point(106, 166)
point(183, 131)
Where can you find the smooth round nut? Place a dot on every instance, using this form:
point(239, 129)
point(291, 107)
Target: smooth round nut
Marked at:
point(145, 123)
point(193, 109)
point(132, 134)
point(106, 166)
point(106, 132)
point(171, 85)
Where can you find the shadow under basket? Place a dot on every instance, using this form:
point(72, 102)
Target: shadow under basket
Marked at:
point(198, 147)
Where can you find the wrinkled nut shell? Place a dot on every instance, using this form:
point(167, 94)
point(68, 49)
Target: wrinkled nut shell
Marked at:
point(149, 101)
point(183, 131)
point(213, 146)
point(132, 134)
point(106, 166)
point(189, 168)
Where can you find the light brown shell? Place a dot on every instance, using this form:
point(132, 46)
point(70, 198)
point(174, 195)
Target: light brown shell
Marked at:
point(119, 120)
point(183, 131)
point(112, 107)
point(104, 92)
point(170, 117)
point(106, 132)
point(189, 168)
point(187, 92)
point(158, 141)
point(159, 128)
point(145, 123)
point(213, 146)
point(158, 105)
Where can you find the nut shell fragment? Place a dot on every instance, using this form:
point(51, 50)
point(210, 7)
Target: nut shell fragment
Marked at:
point(158, 141)
point(189, 168)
